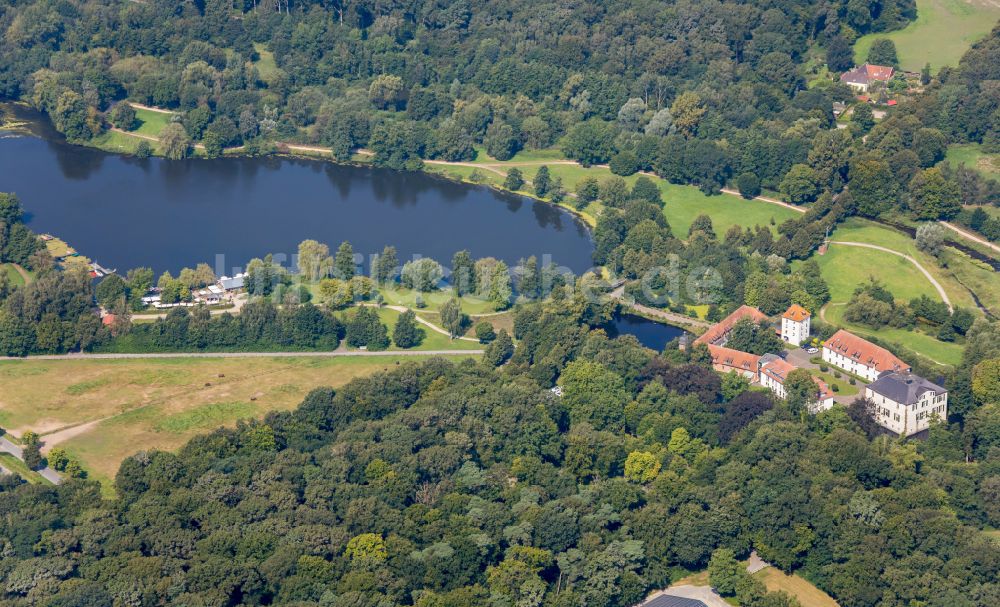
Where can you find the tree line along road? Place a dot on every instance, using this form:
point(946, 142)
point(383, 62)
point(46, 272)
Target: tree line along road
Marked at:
point(123, 356)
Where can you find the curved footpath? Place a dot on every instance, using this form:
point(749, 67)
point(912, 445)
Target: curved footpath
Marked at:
point(970, 236)
point(923, 270)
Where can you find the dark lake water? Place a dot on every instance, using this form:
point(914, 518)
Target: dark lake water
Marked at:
point(123, 212)
point(652, 334)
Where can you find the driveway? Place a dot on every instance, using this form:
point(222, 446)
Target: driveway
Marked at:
point(800, 358)
point(706, 595)
point(47, 473)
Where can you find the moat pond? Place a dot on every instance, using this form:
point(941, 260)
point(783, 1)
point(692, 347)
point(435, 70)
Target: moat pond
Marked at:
point(125, 212)
point(650, 333)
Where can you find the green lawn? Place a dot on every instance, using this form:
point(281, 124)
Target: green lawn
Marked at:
point(844, 268)
point(265, 64)
point(18, 467)
point(682, 203)
point(843, 383)
point(972, 156)
point(942, 32)
point(121, 143)
point(977, 276)
point(432, 339)
point(910, 282)
point(433, 301)
point(150, 123)
point(12, 274)
point(917, 341)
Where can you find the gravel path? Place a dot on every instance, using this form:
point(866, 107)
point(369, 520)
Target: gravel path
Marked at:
point(923, 270)
point(114, 356)
point(970, 236)
point(47, 473)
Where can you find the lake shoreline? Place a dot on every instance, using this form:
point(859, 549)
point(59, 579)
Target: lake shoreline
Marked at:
point(23, 127)
point(241, 206)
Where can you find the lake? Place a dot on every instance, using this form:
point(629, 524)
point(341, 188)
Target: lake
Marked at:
point(125, 212)
point(652, 334)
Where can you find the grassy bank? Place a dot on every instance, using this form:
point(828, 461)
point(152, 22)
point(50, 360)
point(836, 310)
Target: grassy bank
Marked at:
point(940, 35)
point(917, 340)
point(973, 157)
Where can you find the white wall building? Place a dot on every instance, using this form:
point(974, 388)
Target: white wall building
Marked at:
point(774, 371)
point(795, 325)
point(860, 357)
point(905, 403)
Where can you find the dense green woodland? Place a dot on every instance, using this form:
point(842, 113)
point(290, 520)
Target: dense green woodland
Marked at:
point(444, 485)
point(707, 93)
point(447, 484)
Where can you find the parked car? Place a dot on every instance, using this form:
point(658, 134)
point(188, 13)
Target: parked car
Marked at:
point(812, 350)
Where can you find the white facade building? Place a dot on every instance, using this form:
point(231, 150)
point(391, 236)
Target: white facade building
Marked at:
point(906, 403)
point(795, 325)
point(774, 371)
point(860, 357)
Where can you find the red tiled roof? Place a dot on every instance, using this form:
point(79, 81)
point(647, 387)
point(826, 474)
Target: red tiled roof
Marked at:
point(724, 326)
point(865, 352)
point(824, 390)
point(878, 72)
point(863, 74)
point(108, 319)
point(736, 359)
point(796, 312)
point(777, 369)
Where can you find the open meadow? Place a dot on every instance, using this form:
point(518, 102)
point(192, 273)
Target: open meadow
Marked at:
point(775, 580)
point(682, 202)
point(102, 411)
point(846, 267)
point(151, 122)
point(973, 157)
point(13, 275)
point(942, 32)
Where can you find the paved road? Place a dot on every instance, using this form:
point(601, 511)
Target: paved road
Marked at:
point(47, 473)
point(700, 593)
point(800, 358)
point(923, 270)
point(970, 236)
point(114, 356)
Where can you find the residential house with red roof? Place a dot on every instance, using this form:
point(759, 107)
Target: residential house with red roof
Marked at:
point(717, 333)
point(861, 357)
point(774, 371)
point(862, 77)
point(727, 360)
